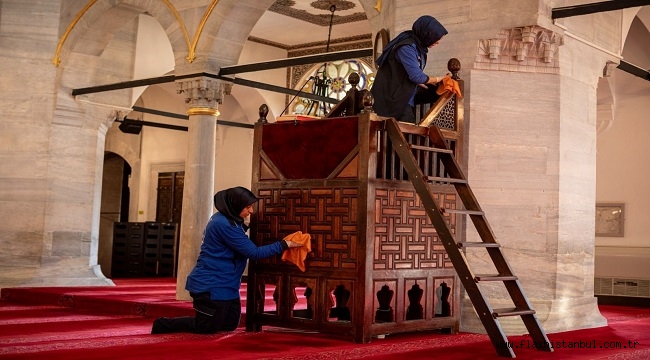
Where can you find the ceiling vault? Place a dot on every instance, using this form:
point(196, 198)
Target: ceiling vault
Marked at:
point(597, 7)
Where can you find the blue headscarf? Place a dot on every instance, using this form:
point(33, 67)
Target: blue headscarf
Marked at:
point(426, 31)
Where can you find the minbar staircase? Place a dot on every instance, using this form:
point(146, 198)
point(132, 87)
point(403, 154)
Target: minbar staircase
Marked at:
point(489, 316)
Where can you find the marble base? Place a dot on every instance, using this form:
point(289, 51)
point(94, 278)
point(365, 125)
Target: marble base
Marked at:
point(555, 316)
point(52, 276)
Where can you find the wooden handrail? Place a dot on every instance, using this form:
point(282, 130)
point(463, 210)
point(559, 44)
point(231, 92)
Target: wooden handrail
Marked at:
point(352, 103)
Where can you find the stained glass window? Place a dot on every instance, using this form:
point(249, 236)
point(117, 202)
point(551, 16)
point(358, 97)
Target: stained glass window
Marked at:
point(331, 80)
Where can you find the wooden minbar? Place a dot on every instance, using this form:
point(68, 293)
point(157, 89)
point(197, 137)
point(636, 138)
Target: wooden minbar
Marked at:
point(377, 266)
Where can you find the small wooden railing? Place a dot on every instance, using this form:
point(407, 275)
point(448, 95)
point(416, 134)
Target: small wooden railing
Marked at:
point(389, 166)
point(353, 102)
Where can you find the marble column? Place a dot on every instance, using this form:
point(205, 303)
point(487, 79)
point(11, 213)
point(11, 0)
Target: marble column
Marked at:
point(202, 96)
point(69, 248)
point(531, 164)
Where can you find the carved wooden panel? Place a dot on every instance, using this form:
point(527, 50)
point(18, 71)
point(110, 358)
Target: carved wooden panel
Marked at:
point(329, 215)
point(169, 201)
point(405, 238)
point(179, 185)
point(165, 199)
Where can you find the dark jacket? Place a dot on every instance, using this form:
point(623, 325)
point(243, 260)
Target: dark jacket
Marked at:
point(392, 88)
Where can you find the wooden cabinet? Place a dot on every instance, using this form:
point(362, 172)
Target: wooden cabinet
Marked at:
point(144, 249)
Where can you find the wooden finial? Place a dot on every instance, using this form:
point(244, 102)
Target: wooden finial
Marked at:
point(354, 80)
point(263, 112)
point(368, 101)
point(453, 65)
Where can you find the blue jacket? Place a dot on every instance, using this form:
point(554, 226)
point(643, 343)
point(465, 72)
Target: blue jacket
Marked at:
point(414, 64)
point(222, 260)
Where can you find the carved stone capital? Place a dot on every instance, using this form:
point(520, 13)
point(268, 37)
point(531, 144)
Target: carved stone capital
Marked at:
point(203, 92)
point(494, 48)
point(527, 49)
point(521, 51)
point(110, 119)
point(609, 68)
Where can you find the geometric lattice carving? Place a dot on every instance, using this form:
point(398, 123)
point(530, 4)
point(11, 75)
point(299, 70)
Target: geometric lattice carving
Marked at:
point(329, 215)
point(446, 119)
point(405, 238)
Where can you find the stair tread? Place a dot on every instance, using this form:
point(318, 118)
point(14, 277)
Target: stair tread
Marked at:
point(462, 211)
point(494, 277)
point(478, 244)
point(444, 179)
point(432, 149)
point(512, 311)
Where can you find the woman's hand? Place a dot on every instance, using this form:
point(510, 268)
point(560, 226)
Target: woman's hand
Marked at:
point(293, 244)
point(435, 79)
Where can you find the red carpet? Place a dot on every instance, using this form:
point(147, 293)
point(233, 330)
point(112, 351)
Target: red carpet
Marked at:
point(114, 323)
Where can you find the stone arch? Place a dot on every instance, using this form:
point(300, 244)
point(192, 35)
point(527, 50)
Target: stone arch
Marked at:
point(612, 88)
point(606, 104)
point(86, 59)
point(232, 21)
point(98, 50)
point(249, 101)
point(226, 32)
point(123, 150)
point(97, 26)
point(642, 13)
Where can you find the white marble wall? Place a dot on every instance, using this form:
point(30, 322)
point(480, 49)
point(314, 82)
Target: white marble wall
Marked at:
point(52, 162)
point(26, 113)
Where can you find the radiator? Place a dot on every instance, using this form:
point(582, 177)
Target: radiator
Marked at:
point(615, 286)
point(621, 271)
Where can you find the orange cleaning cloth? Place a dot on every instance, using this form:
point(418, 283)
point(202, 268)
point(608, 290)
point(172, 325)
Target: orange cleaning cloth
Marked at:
point(449, 84)
point(298, 255)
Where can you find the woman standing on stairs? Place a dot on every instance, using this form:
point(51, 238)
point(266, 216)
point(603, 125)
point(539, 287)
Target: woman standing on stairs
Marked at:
point(400, 70)
point(215, 281)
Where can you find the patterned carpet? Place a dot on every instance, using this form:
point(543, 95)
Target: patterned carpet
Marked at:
point(114, 323)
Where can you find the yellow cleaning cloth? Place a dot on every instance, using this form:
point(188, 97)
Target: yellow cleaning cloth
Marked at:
point(298, 255)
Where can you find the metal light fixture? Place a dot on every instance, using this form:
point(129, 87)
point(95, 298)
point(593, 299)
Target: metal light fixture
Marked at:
point(131, 126)
point(320, 84)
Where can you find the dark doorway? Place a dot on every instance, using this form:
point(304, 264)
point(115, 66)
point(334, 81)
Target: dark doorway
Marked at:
point(114, 206)
point(169, 205)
